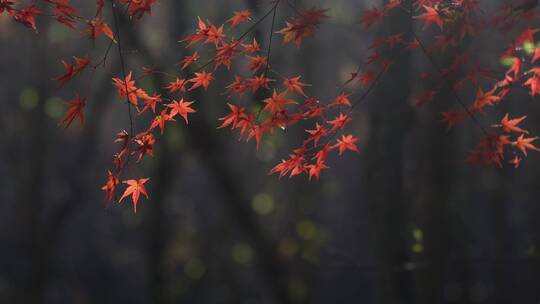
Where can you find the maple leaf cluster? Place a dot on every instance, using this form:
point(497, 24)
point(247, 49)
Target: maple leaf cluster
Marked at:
point(65, 13)
point(451, 23)
point(259, 100)
point(286, 102)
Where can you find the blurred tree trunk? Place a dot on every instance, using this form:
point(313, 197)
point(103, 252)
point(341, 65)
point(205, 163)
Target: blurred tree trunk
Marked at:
point(202, 137)
point(390, 117)
point(32, 194)
point(156, 225)
point(498, 196)
point(504, 286)
point(436, 161)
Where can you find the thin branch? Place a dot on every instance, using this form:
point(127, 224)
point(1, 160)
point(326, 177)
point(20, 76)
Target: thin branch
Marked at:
point(441, 74)
point(123, 68)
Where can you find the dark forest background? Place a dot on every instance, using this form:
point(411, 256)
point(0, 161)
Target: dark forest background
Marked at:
point(403, 221)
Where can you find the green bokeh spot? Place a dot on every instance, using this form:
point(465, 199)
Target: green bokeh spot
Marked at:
point(28, 99)
point(418, 234)
point(528, 47)
point(507, 61)
point(263, 204)
point(54, 107)
point(242, 253)
point(306, 230)
point(418, 248)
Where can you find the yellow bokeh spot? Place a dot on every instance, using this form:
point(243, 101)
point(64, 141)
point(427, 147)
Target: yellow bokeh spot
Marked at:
point(418, 234)
point(306, 230)
point(242, 253)
point(507, 61)
point(528, 46)
point(263, 204)
point(28, 99)
point(54, 107)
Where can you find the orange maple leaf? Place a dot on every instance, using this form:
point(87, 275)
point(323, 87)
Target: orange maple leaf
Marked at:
point(181, 108)
point(127, 88)
point(277, 102)
point(96, 28)
point(510, 125)
point(135, 188)
point(523, 143)
point(110, 185)
point(189, 60)
point(201, 79)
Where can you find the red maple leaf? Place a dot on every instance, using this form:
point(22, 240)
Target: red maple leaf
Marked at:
point(26, 16)
point(430, 16)
point(510, 125)
point(523, 143)
point(257, 62)
point(138, 8)
point(135, 189)
point(181, 108)
point(314, 170)
point(339, 122)
point(159, 121)
point(75, 109)
point(150, 102)
point(277, 102)
point(251, 47)
point(372, 16)
point(347, 142)
point(201, 79)
point(189, 60)
point(110, 185)
point(146, 143)
point(96, 28)
point(72, 69)
point(534, 83)
point(127, 88)
point(294, 85)
point(239, 17)
point(259, 81)
point(316, 134)
point(515, 162)
point(342, 99)
point(453, 117)
point(232, 118)
point(179, 85)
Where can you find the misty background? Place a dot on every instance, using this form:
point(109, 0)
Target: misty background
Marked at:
point(406, 220)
